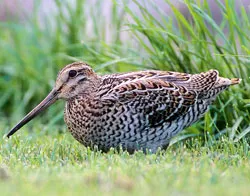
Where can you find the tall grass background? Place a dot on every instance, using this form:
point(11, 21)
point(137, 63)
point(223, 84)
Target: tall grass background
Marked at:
point(32, 53)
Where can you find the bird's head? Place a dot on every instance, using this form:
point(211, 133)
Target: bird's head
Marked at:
point(74, 79)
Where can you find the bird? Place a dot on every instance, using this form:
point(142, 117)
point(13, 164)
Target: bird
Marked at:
point(141, 110)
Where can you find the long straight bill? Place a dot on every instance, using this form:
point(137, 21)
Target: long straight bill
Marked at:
point(50, 99)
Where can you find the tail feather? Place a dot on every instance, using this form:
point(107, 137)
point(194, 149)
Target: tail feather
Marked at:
point(209, 84)
point(235, 81)
point(204, 81)
point(227, 82)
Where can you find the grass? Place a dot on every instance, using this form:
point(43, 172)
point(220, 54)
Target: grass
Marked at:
point(43, 158)
point(41, 163)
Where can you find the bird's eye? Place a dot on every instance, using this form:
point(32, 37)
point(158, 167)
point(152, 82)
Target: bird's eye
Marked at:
point(72, 73)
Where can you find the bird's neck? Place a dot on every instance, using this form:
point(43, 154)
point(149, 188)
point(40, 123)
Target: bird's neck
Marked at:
point(90, 89)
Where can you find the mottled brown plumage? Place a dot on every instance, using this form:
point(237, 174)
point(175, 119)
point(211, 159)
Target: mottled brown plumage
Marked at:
point(137, 110)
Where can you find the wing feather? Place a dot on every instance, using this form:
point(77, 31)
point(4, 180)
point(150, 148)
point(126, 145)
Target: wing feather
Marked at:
point(158, 99)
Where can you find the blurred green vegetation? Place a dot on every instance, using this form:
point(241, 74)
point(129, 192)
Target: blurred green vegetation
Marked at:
point(33, 52)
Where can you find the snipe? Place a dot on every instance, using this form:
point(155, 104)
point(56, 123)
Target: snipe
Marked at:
point(137, 110)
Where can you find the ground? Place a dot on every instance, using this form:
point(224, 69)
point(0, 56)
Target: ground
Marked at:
point(57, 164)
